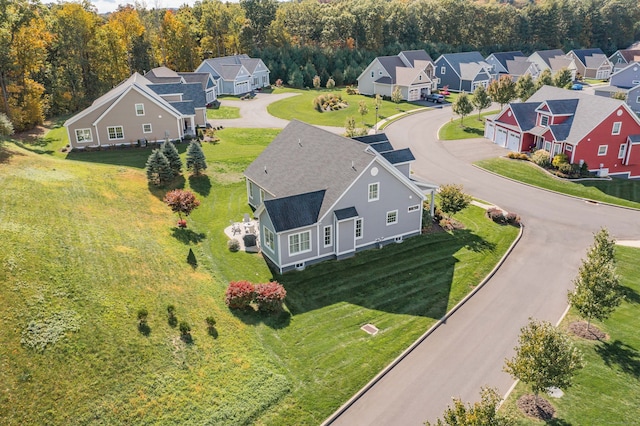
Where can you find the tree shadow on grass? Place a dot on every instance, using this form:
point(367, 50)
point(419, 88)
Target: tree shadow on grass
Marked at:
point(478, 132)
point(200, 184)
point(558, 422)
point(36, 145)
point(630, 295)
point(5, 153)
point(622, 355)
point(625, 189)
point(274, 320)
point(159, 192)
point(412, 278)
point(187, 236)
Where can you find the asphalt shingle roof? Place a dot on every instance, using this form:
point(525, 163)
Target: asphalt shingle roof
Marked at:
point(294, 211)
point(562, 106)
point(455, 59)
point(583, 54)
point(389, 63)
point(347, 213)
point(503, 57)
point(382, 146)
point(369, 139)
point(190, 92)
point(525, 114)
point(416, 55)
point(547, 55)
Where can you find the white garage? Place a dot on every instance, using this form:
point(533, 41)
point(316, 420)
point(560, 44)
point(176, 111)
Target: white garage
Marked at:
point(489, 130)
point(501, 136)
point(513, 142)
point(242, 87)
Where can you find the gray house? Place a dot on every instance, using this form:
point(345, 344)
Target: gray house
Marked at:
point(553, 60)
point(623, 57)
point(164, 75)
point(627, 81)
point(463, 71)
point(591, 63)
point(237, 74)
point(514, 64)
point(322, 196)
point(412, 71)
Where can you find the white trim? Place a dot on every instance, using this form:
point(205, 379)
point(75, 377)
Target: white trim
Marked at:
point(299, 243)
point(602, 153)
point(377, 194)
point(86, 140)
point(116, 138)
point(150, 128)
point(265, 241)
point(395, 217)
point(139, 114)
point(617, 131)
point(622, 151)
point(413, 208)
point(355, 229)
point(324, 236)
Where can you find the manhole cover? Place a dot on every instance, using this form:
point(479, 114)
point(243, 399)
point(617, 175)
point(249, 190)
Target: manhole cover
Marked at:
point(370, 328)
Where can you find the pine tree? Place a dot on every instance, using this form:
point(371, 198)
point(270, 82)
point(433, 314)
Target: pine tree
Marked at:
point(173, 156)
point(158, 169)
point(195, 158)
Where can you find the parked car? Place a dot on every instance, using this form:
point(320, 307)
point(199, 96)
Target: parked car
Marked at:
point(576, 86)
point(435, 98)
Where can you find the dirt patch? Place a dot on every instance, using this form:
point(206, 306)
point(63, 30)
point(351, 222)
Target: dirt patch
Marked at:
point(536, 407)
point(579, 328)
point(31, 134)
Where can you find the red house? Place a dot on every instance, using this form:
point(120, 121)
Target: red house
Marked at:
point(600, 131)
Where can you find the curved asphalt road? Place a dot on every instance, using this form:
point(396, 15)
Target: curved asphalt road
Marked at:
point(468, 351)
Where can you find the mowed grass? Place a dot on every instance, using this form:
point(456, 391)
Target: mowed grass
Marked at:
point(86, 243)
point(473, 127)
point(223, 112)
point(301, 108)
point(606, 391)
point(622, 192)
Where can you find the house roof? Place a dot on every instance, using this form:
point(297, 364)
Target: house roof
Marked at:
point(525, 114)
point(347, 213)
point(228, 67)
point(547, 55)
point(561, 131)
point(559, 62)
point(382, 146)
point(458, 59)
point(630, 55)
point(583, 54)
point(518, 67)
point(369, 139)
point(389, 63)
point(408, 76)
point(162, 75)
point(304, 159)
point(562, 106)
point(398, 156)
point(294, 211)
point(416, 55)
point(503, 57)
point(204, 78)
point(190, 92)
point(634, 138)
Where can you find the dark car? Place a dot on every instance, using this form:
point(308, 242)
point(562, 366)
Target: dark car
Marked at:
point(435, 98)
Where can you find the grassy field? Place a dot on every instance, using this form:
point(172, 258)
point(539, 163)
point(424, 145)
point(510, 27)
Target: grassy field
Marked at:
point(606, 391)
point(621, 192)
point(301, 108)
point(86, 243)
point(473, 127)
point(223, 112)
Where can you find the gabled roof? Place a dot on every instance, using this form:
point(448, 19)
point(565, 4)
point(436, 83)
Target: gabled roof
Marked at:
point(415, 55)
point(583, 54)
point(561, 131)
point(228, 67)
point(503, 57)
point(469, 71)
point(525, 114)
point(547, 55)
point(409, 76)
point(382, 146)
point(562, 106)
point(190, 92)
point(294, 211)
point(630, 55)
point(518, 66)
point(346, 213)
point(369, 139)
point(162, 75)
point(389, 63)
point(204, 78)
point(456, 59)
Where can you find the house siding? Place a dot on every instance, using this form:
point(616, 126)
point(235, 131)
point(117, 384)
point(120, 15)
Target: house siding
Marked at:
point(272, 254)
point(366, 85)
point(449, 78)
point(291, 260)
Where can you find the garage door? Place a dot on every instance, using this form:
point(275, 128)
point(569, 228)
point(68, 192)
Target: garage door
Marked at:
point(501, 136)
point(513, 142)
point(242, 87)
point(414, 95)
point(489, 130)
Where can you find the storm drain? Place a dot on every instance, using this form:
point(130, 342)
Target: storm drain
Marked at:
point(370, 328)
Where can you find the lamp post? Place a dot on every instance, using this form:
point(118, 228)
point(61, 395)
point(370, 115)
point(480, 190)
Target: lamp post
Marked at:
point(376, 125)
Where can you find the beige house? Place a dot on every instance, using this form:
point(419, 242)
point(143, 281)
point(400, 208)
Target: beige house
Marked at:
point(137, 110)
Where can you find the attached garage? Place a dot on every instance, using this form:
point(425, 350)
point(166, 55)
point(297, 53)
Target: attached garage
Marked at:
point(513, 142)
point(414, 95)
point(242, 87)
point(501, 136)
point(489, 130)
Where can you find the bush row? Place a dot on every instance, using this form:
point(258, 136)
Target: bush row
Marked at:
point(498, 216)
point(267, 296)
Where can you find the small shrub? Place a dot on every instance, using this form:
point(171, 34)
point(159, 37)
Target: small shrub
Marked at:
point(185, 328)
point(316, 82)
point(269, 296)
point(330, 83)
point(518, 156)
point(239, 294)
point(350, 90)
point(512, 219)
point(446, 224)
point(559, 160)
point(171, 316)
point(565, 168)
point(541, 158)
point(584, 169)
point(496, 215)
point(142, 315)
point(279, 82)
point(233, 245)
point(211, 321)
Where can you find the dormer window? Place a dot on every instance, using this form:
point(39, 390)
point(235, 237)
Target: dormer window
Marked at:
point(544, 120)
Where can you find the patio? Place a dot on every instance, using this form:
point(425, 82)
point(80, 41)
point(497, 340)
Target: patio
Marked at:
point(246, 233)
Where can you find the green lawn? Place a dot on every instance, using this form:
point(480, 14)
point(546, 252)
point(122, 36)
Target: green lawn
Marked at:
point(86, 243)
point(301, 107)
point(606, 391)
point(223, 112)
point(621, 192)
point(473, 127)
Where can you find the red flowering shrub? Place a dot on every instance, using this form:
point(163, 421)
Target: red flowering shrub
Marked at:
point(496, 215)
point(269, 296)
point(239, 294)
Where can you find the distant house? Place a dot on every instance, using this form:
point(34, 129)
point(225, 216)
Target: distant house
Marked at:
point(463, 71)
point(515, 64)
point(237, 74)
point(137, 110)
point(627, 81)
point(321, 196)
point(604, 133)
point(621, 58)
point(554, 60)
point(164, 75)
point(412, 71)
point(591, 63)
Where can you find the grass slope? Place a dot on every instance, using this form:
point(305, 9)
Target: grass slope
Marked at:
point(473, 127)
point(622, 192)
point(86, 243)
point(301, 107)
point(606, 391)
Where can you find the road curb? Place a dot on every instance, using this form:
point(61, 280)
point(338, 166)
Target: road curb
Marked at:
point(333, 417)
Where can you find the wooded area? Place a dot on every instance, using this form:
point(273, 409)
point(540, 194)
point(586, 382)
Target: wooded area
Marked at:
point(57, 58)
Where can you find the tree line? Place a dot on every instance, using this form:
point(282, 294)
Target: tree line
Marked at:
point(57, 58)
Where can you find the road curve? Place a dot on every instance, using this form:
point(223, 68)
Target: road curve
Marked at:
point(468, 351)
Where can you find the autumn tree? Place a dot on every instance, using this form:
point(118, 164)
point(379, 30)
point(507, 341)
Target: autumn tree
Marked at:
point(462, 106)
point(481, 99)
point(363, 109)
point(482, 413)
point(350, 127)
point(6, 127)
point(453, 199)
point(502, 90)
point(597, 290)
point(545, 357)
point(396, 95)
point(525, 87)
point(181, 201)
point(196, 162)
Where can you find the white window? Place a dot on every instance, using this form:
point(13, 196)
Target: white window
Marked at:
point(622, 151)
point(115, 132)
point(358, 228)
point(146, 128)
point(544, 120)
point(261, 196)
point(443, 70)
point(413, 208)
point(392, 217)
point(139, 109)
point(84, 135)
point(251, 189)
point(569, 148)
point(616, 128)
point(547, 146)
point(374, 191)
point(268, 237)
point(602, 150)
point(328, 239)
point(299, 243)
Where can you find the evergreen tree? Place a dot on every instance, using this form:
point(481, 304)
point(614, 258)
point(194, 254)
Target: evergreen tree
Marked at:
point(525, 87)
point(195, 158)
point(158, 169)
point(462, 106)
point(481, 99)
point(173, 156)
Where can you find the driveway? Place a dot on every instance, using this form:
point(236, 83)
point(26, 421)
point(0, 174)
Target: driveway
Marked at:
point(468, 351)
point(253, 113)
